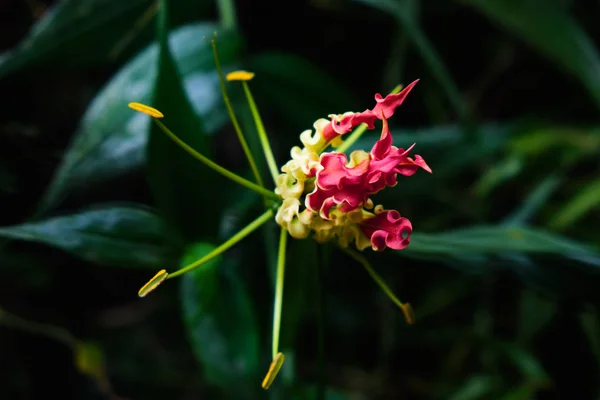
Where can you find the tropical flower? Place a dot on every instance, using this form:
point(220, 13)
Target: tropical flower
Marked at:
point(328, 193)
point(323, 193)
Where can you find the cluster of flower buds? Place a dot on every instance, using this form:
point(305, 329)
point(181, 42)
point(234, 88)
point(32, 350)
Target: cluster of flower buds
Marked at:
point(329, 194)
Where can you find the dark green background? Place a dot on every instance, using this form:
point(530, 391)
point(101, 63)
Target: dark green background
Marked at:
point(503, 268)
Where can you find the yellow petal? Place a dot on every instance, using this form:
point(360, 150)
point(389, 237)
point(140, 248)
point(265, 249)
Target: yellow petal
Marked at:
point(153, 283)
point(273, 370)
point(153, 112)
point(239, 76)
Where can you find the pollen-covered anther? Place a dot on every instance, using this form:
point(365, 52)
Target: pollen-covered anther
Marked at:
point(153, 112)
point(239, 76)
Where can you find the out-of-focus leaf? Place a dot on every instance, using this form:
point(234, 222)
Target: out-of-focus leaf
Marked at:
point(297, 89)
point(590, 324)
point(498, 173)
point(111, 235)
point(553, 33)
point(310, 393)
point(75, 31)
point(404, 13)
point(221, 323)
point(443, 295)
point(522, 392)
point(528, 366)
point(111, 138)
point(532, 203)
point(499, 240)
point(535, 312)
point(552, 263)
point(182, 186)
point(477, 387)
point(89, 360)
point(578, 206)
point(536, 140)
point(89, 32)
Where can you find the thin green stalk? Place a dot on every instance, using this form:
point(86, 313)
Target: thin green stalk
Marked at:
point(320, 275)
point(279, 291)
point(405, 307)
point(236, 124)
point(211, 164)
point(257, 223)
point(354, 136)
point(227, 14)
point(262, 134)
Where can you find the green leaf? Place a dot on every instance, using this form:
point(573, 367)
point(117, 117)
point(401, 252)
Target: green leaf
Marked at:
point(110, 235)
point(498, 240)
point(552, 263)
point(553, 33)
point(477, 387)
point(578, 206)
point(183, 188)
point(221, 323)
point(534, 313)
point(111, 138)
point(534, 201)
point(90, 32)
point(499, 173)
point(297, 89)
point(74, 32)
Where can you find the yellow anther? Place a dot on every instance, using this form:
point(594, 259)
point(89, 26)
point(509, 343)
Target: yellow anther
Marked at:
point(273, 370)
point(153, 283)
point(153, 112)
point(239, 76)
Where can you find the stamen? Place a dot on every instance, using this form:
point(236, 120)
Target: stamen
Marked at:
point(153, 112)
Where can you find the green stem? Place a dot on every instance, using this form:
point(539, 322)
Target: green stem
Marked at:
point(320, 268)
point(227, 14)
point(37, 328)
point(236, 124)
point(257, 223)
point(405, 307)
point(211, 164)
point(354, 136)
point(279, 291)
point(262, 134)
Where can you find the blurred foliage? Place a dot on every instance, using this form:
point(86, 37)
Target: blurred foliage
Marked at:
point(503, 267)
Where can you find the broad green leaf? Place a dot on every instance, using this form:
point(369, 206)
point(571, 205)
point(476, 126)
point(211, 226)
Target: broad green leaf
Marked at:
point(124, 236)
point(297, 89)
point(403, 11)
point(221, 323)
point(183, 188)
point(75, 31)
point(89, 32)
point(111, 138)
point(499, 240)
point(578, 206)
point(554, 33)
